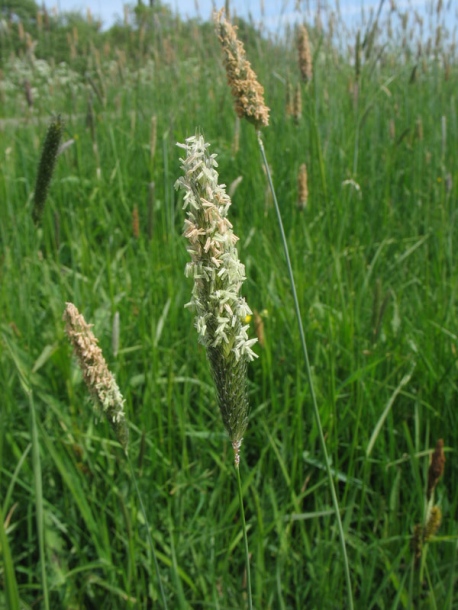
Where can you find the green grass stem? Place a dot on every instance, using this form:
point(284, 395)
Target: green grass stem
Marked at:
point(39, 500)
point(245, 539)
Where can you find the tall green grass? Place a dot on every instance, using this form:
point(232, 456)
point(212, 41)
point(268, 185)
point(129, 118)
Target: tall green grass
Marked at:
point(374, 260)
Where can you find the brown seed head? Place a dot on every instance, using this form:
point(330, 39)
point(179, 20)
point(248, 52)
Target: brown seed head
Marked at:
point(99, 380)
point(304, 55)
point(247, 91)
point(436, 469)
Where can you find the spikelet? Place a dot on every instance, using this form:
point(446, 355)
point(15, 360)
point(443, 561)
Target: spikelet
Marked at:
point(218, 277)
point(304, 55)
point(302, 188)
point(248, 93)
point(99, 380)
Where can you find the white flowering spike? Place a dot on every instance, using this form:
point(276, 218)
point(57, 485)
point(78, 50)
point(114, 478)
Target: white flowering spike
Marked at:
point(218, 276)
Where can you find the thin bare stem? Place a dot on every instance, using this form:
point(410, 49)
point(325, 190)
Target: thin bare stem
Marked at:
point(335, 501)
point(245, 538)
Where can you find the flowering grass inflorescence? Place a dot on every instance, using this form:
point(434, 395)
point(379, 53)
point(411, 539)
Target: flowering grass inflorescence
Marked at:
point(218, 276)
point(247, 91)
point(100, 381)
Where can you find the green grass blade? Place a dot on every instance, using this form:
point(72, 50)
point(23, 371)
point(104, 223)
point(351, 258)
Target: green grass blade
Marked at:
point(9, 576)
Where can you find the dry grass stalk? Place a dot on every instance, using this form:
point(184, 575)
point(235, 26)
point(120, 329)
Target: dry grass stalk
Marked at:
point(419, 129)
point(247, 91)
point(304, 54)
point(302, 188)
point(297, 105)
point(135, 222)
point(236, 140)
point(98, 378)
point(392, 129)
point(28, 93)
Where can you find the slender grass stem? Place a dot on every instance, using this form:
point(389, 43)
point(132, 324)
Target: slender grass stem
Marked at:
point(149, 537)
point(335, 501)
point(39, 500)
point(245, 538)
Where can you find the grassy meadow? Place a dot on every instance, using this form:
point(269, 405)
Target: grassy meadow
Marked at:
point(373, 254)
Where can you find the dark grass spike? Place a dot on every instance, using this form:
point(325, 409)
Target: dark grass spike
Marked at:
point(46, 166)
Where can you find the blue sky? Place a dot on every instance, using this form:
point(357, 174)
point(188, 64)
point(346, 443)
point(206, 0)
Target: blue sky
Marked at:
point(276, 11)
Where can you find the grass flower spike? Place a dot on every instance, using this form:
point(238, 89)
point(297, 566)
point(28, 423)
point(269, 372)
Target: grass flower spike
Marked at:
point(247, 91)
point(218, 276)
point(304, 54)
point(46, 166)
point(99, 380)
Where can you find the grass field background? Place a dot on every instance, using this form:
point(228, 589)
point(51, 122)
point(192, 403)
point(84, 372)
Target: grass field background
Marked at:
point(374, 259)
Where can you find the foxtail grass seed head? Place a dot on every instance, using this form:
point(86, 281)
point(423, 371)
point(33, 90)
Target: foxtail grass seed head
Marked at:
point(218, 277)
point(304, 54)
point(302, 188)
point(99, 380)
point(436, 468)
point(46, 166)
point(247, 91)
